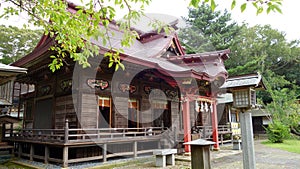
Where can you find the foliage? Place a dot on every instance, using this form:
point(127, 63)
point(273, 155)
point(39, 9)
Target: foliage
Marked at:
point(277, 132)
point(237, 137)
point(207, 30)
point(283, 108)
point(260, 5)
point(262, 48)
point(16, 43)
point(72, 30)
point(265, 50)
point(290, 145)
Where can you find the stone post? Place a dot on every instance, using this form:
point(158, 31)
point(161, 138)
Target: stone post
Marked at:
point(247, 140)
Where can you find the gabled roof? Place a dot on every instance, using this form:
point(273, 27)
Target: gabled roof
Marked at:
point(249, 80)
point(148, 51)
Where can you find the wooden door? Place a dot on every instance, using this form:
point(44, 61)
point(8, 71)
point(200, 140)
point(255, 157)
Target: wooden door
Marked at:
point(43, 114)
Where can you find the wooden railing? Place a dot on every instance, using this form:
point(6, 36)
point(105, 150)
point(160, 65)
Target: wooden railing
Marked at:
point(205, 132)
point(67, 135)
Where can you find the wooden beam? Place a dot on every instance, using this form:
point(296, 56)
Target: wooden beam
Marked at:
point(84, 159)
point(66, 131)
point(104, 152)
point(65, 156)
point(31, 152)
point(134, 149)
point(46, 159)
point(20, 150)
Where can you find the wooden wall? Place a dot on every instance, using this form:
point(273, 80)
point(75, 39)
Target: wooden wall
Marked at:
point(88, 116)
point(79, 103)
point(121, 112)
point(64, 109)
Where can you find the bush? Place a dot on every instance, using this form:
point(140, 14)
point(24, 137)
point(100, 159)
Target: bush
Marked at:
point(277, 132)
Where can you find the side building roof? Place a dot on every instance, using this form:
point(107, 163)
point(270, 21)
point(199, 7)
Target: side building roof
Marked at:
point(249, 80)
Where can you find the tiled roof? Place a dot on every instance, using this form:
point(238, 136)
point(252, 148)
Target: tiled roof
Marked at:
point(148, 52)
point(254, 80)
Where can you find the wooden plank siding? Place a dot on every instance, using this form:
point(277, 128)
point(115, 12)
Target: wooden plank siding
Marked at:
point(89, 109)
point(64, 109)
point(121, 112)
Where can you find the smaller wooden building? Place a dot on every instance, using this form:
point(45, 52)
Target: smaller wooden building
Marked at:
point(260, 117)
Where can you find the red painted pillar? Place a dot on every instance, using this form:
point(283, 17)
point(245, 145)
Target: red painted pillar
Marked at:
point(186, 123)
point(214, 120)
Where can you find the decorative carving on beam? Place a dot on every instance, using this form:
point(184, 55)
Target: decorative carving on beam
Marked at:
point(171, 94)
point(45, 90)
point(94, 83)
point(147, 89)
point(126, 87)
point(66, 85)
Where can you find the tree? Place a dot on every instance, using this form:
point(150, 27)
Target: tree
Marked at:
point(284, 108)
point(208, 30)
point(260, 48)
point(265, 50)
point(72, 31)
point(16, 43)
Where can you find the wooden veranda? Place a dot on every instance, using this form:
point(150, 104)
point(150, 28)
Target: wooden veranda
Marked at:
point(67, 146)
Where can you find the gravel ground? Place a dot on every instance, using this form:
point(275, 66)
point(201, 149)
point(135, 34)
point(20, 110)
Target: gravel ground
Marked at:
point(266, 158)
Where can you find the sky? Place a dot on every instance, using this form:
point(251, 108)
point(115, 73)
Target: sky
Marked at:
point(286, 22)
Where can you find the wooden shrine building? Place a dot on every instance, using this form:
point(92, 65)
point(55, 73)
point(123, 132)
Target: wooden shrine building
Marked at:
point(77, 114)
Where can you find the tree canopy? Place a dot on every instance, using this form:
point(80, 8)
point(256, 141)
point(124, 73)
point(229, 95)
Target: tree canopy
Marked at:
point(16, 43)
point(207, 30)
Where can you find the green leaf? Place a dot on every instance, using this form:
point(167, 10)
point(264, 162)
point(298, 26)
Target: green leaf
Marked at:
point(243, 7)
point(212, 5)
point(194, 3)
point(276, 7)
point(259, 10)
point(117, 67)
point(255, 4)
point(269, 9)
point(110, 64)
point(122, 66)
point(233, 4)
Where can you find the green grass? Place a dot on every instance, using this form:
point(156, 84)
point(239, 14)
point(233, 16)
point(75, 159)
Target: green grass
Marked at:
point(288, 145)
point(12, 165)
